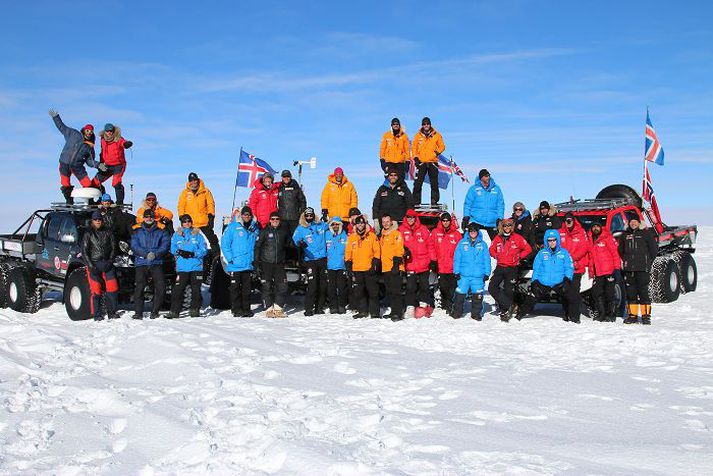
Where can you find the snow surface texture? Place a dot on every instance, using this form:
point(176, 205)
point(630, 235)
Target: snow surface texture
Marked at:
point(335, 396)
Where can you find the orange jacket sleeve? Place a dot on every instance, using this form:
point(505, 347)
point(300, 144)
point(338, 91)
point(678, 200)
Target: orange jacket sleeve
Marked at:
point(348, 248)
point(182, 203)
point(440, 145)
point(376, 247)
point(405, 147)
point(415, 147)
point(353, 197)
point(325, 197)
point(210, 203)
point(382, 149)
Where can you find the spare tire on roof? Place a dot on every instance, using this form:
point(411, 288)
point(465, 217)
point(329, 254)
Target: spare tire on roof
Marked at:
point(621, 191)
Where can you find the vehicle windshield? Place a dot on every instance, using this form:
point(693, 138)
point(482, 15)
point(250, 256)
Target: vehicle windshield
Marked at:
point(588, 220)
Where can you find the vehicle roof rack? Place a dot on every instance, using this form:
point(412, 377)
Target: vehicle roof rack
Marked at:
point(83, 206)
point(591, 204)
point(424, 208)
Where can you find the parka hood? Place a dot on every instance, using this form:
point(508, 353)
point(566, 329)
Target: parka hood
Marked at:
point(551, 213)
point(115, 138)
point(331, 179)
point(550, 234)
point(182, 231)
point(336, 220)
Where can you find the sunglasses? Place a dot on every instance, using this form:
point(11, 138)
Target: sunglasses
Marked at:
point(507, 225)
point(519, 209)
point(445, 219)
point(274, 219)
point(551, 239)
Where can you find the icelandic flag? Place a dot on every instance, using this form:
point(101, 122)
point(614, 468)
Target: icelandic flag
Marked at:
point(444, 172)
point(653, 152)
point(250, 168)
point(648, 195)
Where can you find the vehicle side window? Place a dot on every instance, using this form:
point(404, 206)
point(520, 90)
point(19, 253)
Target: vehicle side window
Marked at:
point(55, 222)
point(68, 227)
point(629, 214)
point(617, 223)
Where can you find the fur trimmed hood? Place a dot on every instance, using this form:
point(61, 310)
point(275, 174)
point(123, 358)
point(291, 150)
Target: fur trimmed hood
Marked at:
point(117, 134)
point(552, 212)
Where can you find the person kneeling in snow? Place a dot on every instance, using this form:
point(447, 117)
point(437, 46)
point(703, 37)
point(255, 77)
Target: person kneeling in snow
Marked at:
point(552, 270)
point(471, 266)
point(189, 247)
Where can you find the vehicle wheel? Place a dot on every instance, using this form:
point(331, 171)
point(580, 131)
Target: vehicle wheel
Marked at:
point(22, 290)
point(687, 270)
point(77, 295)
point(219, 286)
point(208, 262)
point(665, 282)
point(4, 270)
point(621, 191)
point(619, 297)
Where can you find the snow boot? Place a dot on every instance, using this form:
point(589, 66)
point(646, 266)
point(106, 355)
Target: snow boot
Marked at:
point(67, 192)
point(114, 315)
point(99, 318)
point(154, 315)
point(172, 315)
point(119, 194)
point(646, 314)
point(395, 317)
point(138, 315)
point(476, 307)
point(632, 319)
point(429, 311)
point(247, 313)
point(458, 301)
point(646, 320)
point(194, 313)
point(360, 315)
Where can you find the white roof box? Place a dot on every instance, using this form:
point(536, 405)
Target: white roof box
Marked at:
point(89, 193)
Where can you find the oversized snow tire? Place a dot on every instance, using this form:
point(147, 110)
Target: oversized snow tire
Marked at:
point(619, 297)
point(687, 271)
point(208, 263)
point(621, 191)
point(665, 281)
point(4, 270)
point(219, 286)
point(22, 293)
point(78, 295)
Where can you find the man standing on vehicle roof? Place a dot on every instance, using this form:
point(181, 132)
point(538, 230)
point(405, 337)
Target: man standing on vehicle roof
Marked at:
point(238, 247)
point(552, 270)
point(392, 198)
point(113, 160)
point(484, 204)
point(508, 249)
point(575, 240)
point(310, 237)
point(291, 201)
point(162, 216)
point(362, 258)
point(427, 146)
point(604, 261)
point(98, 252)
point(150, 245)
point(638, 250)
point(545, 219)
point(197, 201)
point(394, 150)
point(442, 247)
point(338, 196)
point(270, 254)
point(189, 247)
point(78, 150)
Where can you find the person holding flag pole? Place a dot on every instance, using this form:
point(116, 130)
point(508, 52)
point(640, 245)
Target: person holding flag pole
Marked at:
point(258, 174)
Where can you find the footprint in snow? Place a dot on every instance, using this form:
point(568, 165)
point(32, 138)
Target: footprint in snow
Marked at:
point(344, 368)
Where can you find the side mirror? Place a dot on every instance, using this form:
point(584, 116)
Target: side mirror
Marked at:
point(67, 239)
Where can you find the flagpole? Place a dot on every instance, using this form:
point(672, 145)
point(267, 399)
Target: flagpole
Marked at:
point(453, 187)
point(235, 185)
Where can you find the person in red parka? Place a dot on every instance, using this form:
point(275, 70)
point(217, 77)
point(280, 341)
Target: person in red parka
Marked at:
point(417, 258)
point(113, 158)
point(604, 261)
point(441, 247)
point(263, 198)
point(508, 248)
point(574, 239)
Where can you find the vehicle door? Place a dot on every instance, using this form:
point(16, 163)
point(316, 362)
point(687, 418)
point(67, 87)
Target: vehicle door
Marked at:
point(69, 244)
point(48, 243)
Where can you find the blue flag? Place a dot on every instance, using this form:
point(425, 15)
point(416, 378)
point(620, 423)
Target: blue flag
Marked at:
point(444, 172)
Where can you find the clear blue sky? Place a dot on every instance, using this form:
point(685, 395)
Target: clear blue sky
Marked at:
point(549, 96)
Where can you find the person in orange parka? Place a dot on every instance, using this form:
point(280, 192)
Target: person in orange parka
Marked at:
point(574, 239)
point(394, 150)
point(197, 201)
point(417, 259)
point(603, 263)
point(263, 198)
point(362, 258)
point(441, 247)
point(392, 265)
point(162, 216)
point(425, 149)
point(338, 196)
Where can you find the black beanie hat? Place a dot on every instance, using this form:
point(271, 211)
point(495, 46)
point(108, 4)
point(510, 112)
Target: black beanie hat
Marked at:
point(354, 211)
point(545, 204)
point(395, 120)
point(192, 176)
point(246, 209)
point(426, 120)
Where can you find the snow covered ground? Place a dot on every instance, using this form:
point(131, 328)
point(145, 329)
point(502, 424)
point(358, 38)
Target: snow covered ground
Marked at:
point(330, 395)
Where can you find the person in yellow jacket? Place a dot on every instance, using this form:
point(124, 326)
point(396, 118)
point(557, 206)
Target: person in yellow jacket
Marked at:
point(163, 216)
point(392, 265)
point(394, 150)
point(427, 146)
point(197, 201)
point(338, 196)
point(362, 258)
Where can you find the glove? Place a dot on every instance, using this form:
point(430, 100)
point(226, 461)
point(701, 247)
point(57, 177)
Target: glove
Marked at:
point(434, 266)
point(128, 144)
point(465, 222)
point(397, 260)
point(102, 167)
point(457, 276)
point(325, 215)
point(348, 265)
point(407, 253)
point(416, 161)
point(375, 265)
point(497, 222)
point(186, 254)
point(163, 220)
point(486, 277)
point(211, 220)
point(150, 256)
point(383, 164)
point(302, 244)
point(53, 113)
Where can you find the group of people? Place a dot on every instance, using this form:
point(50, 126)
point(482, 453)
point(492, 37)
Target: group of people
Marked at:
point(345, 258)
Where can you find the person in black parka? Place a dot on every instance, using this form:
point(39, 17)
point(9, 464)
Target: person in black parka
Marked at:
point(638, 249)
point(291, 201)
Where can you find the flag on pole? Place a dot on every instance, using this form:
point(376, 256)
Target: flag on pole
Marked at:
point(444, 172)
point(458, 171)
point(648, 195)
point(653, 152)
point(250, 168)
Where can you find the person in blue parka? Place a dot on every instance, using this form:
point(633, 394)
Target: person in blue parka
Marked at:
point(238, 249)
point(150, 245)
point(310, 235)
point(484, 204)
point(189, 247)
point(337, 288)
point(552, 271)
point(471, 265)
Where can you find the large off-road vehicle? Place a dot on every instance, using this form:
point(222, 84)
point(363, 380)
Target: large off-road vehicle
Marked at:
point(44, 254)
point(674, 270)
